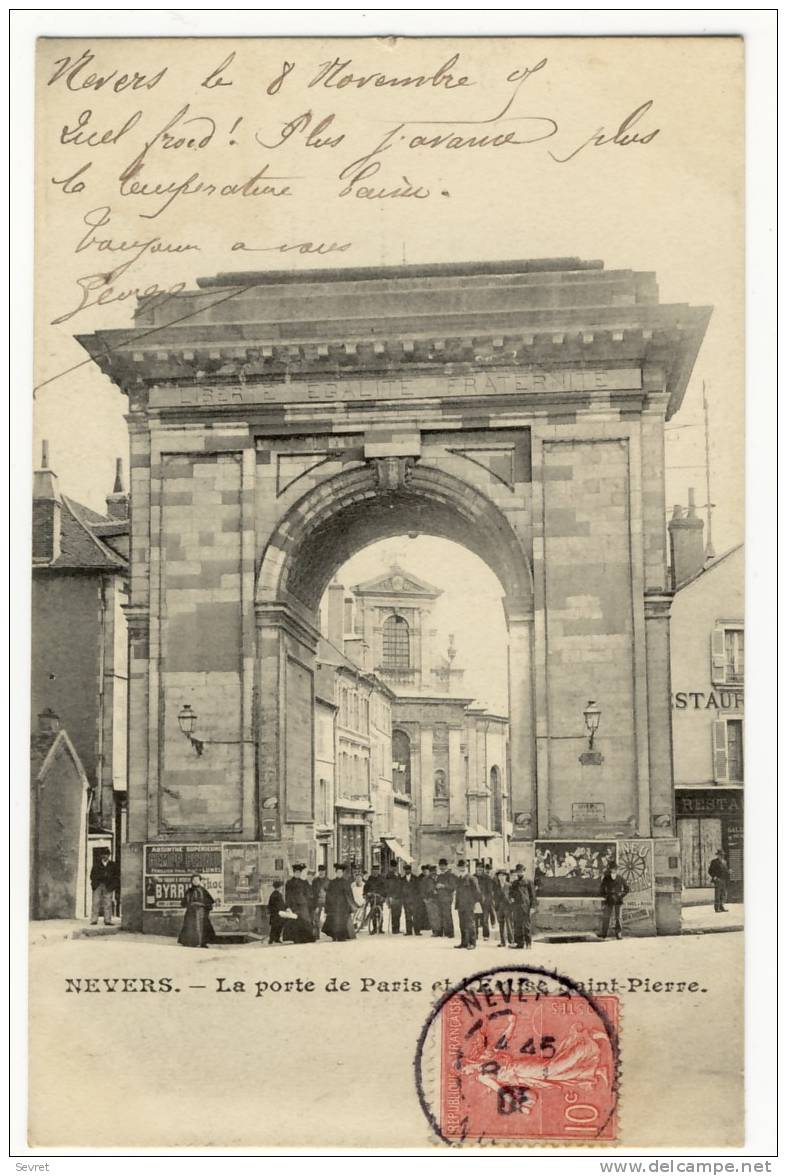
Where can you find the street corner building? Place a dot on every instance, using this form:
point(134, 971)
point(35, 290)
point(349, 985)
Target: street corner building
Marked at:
point(78, 691)
point(707, 705)
point(282, 421)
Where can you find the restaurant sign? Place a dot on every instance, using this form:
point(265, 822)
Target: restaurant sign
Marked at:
point(709, 802)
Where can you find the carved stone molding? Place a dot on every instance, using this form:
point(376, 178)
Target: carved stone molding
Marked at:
point(393, 473)
point(138, 621)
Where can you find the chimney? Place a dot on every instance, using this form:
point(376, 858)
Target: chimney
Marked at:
point(117, 501)
point(336, 614)
point(687, 553)
point(46, 511)
point(48, 722)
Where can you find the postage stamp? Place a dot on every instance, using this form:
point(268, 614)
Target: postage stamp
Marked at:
point(522, 1054)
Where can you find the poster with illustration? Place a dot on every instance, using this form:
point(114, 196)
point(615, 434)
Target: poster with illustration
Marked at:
point(572, 868)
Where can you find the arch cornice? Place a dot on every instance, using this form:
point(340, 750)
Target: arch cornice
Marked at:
point(343, 514)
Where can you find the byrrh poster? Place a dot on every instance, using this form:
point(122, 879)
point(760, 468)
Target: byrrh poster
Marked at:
point(388, 595)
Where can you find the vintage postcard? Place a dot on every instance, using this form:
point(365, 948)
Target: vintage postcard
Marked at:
point(388, 585)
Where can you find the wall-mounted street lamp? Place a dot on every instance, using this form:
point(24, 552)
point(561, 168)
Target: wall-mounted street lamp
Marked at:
point(592, 713)
point(187, 721)
point(592, 717)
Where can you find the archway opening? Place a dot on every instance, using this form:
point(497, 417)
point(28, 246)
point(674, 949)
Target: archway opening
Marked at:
point(419, 622)
point(402, 595)
point(328, 526)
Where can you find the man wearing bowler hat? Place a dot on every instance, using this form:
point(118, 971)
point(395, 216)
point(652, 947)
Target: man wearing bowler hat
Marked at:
point(444, 885)
point(468, 898)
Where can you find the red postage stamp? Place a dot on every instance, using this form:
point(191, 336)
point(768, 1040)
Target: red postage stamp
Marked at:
point(526, 1066)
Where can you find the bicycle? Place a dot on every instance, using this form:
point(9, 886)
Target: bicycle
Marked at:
point(374, 914)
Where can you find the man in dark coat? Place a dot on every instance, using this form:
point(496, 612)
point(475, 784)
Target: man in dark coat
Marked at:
point(444, 885)
point(318, 887)
point(103, 883)
point(275, 907)
point(523, 900)
point(411, 899)
point(613, 890)
point(486, 884)
point(467, 896)
point(719, 873)
point(298, 897)
point(502, 901)
point(429, 899)
point(339, 906)
point(420, 916)
point(393, 889)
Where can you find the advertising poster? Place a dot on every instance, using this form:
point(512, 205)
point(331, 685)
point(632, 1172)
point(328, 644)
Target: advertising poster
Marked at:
point(241, 873)
point(169, 869)
point(571, 868)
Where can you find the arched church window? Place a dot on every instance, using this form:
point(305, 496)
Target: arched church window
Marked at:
point(400, 748)
point(496, 789)
point(440, 785)
point(396, 643)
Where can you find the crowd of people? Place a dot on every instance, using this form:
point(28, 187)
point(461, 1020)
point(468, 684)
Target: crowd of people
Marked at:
point(309, 904)
point(403, 901)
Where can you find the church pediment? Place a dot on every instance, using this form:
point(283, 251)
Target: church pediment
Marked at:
point(396, 582)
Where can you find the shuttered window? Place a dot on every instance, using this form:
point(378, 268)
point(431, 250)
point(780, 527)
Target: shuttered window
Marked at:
point(735, 749)
point(733, 655)
point(720, 751)
point(728, 751)
point(727, 655)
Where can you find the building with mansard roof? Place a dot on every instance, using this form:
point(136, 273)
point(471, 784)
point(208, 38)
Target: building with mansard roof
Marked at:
point(79, 671)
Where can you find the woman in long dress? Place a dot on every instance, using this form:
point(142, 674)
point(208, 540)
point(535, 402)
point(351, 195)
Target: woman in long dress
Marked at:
point(197, 929)
point(339, 907)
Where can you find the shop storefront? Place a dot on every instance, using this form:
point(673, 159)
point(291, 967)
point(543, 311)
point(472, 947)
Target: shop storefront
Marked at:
point(352, 841)
point(710, 819)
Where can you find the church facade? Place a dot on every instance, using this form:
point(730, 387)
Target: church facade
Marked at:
point(280, 422)
point(450, 758)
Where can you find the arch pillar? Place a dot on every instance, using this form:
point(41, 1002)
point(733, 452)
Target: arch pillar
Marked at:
point(286, 656)
point(522, 782)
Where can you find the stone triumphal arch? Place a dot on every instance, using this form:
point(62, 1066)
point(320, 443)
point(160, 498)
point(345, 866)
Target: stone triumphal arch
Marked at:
point(282, 421)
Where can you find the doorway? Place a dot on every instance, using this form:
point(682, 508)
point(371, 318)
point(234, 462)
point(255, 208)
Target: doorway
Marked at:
point(700, 838)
